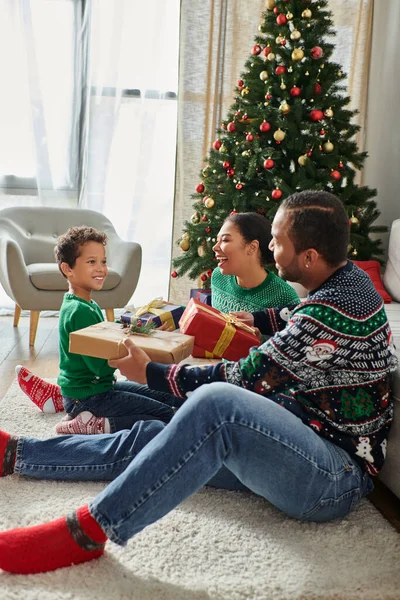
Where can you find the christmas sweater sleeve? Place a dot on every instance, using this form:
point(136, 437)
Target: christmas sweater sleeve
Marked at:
point(271, 320)
point(292, 357)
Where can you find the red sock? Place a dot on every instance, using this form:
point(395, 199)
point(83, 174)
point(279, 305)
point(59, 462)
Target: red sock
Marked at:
point(8, 453)
point(61, 543)
point(47, 396)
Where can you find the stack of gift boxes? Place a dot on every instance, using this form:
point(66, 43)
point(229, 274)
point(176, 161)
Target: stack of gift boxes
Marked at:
point(204, 332)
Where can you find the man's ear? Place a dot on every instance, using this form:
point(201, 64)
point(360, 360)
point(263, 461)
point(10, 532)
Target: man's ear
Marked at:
point(310, 257)
point(66, 269)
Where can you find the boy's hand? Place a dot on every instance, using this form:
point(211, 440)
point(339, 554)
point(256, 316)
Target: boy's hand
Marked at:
point(133, 366)
point(244, 316)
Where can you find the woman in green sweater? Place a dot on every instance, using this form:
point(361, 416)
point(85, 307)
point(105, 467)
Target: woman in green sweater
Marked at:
point(241, 281)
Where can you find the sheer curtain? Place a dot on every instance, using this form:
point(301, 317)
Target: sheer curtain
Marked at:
point(130, 133)
point(210, 64)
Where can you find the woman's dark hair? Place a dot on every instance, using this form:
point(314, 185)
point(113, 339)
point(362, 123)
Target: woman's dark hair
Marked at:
point(68, 247)
point(253, 226)
point(318, 220)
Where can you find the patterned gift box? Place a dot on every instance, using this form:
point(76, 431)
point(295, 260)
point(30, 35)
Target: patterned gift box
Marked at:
point(202, 295)
point(105, 340)
point(159, 310)
point(216, 335)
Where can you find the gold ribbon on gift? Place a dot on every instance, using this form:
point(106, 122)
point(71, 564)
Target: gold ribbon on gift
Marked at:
point(231, 324)
point(152, 307)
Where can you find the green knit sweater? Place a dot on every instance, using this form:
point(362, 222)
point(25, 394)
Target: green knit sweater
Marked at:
point(227, 295)
point(81, 376)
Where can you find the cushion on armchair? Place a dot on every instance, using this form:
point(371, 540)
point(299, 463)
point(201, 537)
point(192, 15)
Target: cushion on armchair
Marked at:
point(373, 269)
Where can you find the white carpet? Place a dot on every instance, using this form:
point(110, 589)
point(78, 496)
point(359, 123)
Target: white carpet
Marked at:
point(218, 544)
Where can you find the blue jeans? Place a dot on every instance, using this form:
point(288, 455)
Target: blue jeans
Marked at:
point(222, 435)
point(124, 405)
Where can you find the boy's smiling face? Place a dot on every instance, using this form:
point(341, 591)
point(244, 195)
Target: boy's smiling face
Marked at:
point(89, 272)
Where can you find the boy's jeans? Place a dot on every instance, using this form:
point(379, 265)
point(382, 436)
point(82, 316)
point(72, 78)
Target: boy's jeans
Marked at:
point(124, 405)
point(222, 435)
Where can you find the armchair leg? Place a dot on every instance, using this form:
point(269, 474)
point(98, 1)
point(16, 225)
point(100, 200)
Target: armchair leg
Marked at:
point(17, 314)
point(110, 314)
point(34, 320)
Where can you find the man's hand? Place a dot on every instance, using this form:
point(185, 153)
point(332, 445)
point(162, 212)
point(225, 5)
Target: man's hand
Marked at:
point(244, 316)
point(133, 366)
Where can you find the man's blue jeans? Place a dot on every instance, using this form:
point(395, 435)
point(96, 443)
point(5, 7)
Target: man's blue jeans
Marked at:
point(124, 405)
point(222, 435)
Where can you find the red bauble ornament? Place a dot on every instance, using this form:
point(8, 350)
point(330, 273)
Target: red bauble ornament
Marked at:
point(268, 96)
point(234, 212)
point(256, 50)
point(207, 230)
point(209, 272)
point(204, 219)
point(340, 165)
point(238, 114)
point(336, 175)
point(316, 52)
point(174, 274)
point(278, 142)
point(223, 126)
point(322, 132)
point(276, 194)
point(309, 153)
point(276, 10)
point(239, 186)
point(249, 137)
point(316, 115)
point(231, 127)
point(203, 277)
point(295, 91)
point(266, 50)
point(240, 82)
point(245, 117)
point(280, 70)
point(269, 163)
point(226, 164)
point(199, 188)
point(317, 88)
point(281, 19)
point(283, 43)
point(230, 172)
point(265, 126)
point(217, 144)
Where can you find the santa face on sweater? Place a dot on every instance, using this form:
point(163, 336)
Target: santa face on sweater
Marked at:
point(320, 350)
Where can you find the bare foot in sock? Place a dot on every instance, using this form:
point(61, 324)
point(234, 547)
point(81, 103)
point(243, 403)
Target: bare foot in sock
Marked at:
point(85, 423)
point(47, 396)
point(61, 543)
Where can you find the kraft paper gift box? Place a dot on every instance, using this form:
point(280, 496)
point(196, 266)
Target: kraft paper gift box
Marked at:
point(159, 310)
point(216, 334)
point(202, 295)
point(105, 340)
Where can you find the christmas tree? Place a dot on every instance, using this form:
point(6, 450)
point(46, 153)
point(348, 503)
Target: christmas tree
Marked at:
point(288, 130)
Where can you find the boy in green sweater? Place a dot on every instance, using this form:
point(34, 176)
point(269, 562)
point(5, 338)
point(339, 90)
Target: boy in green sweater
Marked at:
point(94, 401)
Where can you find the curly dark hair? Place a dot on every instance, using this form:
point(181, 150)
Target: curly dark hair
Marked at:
point(318, 220)
point(69, 244)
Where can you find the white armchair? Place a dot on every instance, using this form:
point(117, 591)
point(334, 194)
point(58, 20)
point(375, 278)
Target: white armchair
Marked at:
point(30, 275)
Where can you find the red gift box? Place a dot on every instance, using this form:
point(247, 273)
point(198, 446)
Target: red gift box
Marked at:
point(216, 334)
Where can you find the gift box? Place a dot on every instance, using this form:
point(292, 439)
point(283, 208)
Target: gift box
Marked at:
point(105, 340)
point(201, 295)
point(216, 334)
point(159, 310)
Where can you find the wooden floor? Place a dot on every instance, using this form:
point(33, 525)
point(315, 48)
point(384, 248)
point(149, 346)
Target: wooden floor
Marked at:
point(43, 360)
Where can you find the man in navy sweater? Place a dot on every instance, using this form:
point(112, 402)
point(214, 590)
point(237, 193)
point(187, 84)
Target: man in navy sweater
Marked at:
point(302, 421)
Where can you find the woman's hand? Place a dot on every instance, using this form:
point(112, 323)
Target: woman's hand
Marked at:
point(244, 316)
point(163, 326)
point(133, 366)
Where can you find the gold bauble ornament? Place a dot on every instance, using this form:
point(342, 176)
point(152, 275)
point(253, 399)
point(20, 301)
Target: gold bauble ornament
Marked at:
point(184, 244)
point(279, 135)
point(290, 70)
point(328, 113)
point(195, 218)
point(246, 153)
point(284, 108)
point(244, 91)
point(302, 160)
point(354, 253)
point(306, 14)
point(185, 235)
point(283, 86)
point(306, 73)
point(339, 73)
point(201, 250)
point(295, 35)
point(270, 4)
point(271, 56)
point(279, 39)
point(263, 75)
point(354, 220)
point(328, 147)
point(289, 16)
point(209, 203)
point(223, 148)
point(297, 54)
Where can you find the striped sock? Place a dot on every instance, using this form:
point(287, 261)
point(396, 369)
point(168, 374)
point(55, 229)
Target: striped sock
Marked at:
point(85, 423)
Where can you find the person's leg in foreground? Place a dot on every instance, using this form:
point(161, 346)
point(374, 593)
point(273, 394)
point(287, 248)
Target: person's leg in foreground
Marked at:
point(154, 467)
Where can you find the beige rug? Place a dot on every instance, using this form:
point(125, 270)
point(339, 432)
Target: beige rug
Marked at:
point(217, 545)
